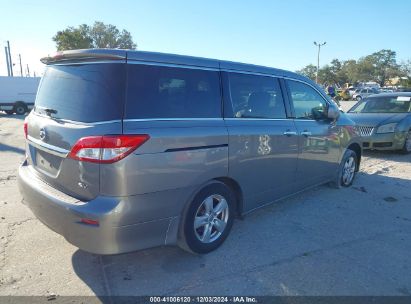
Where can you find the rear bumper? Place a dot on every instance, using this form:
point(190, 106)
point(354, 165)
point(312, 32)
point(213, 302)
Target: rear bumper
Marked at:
point(386, 141)
point(63, 215)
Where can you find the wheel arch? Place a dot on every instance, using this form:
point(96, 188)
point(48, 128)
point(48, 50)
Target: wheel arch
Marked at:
point(20, 102)
point(177, 236)
point(227, 181)
point(358, 151)
point(237, 191)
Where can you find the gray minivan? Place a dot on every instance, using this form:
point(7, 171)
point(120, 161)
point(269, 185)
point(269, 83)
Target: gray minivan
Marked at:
point(127, 150)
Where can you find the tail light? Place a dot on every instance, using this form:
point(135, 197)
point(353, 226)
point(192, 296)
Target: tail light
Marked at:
point(25, 127)
point(106, 149)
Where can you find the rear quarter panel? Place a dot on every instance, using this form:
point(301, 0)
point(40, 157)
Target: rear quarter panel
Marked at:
point(179, 154)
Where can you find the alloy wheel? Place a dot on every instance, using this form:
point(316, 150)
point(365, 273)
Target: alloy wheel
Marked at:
point(348, 170)
point(211, 218)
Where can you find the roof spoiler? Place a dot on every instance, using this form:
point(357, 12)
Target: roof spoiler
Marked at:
point(101, 54)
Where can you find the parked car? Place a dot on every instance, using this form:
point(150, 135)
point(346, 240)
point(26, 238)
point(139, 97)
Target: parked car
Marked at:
point(127, 150)
point(365, 92)
point(384, 121)
point(351, 91)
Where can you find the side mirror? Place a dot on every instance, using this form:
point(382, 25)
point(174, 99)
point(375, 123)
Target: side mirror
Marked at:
point(333, 112)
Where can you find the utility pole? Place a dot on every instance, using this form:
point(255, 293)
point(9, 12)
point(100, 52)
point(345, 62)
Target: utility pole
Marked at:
point(28, 70)
point(7, 60)
point(21, 67)
point(318, 57)
point(10, 62)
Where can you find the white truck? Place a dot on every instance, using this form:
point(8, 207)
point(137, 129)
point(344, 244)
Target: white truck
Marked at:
point(17, 94)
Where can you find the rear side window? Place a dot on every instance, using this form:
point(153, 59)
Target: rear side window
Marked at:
point(83, 92)
point(170, 92)
point(254, 96)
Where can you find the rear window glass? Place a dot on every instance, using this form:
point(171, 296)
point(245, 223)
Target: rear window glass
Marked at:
point(169, 92)
point(83, 92)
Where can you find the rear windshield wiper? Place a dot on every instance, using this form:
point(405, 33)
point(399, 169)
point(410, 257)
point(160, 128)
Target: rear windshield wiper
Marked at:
point(48, 111)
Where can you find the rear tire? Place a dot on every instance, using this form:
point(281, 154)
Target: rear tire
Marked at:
point(208, 219)
point(20, 108)
point(347, 170)
point(358, 98)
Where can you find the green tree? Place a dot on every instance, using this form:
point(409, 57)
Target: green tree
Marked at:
point(384, 65)
point(326, 75)
point(338, 68)
point(405, 67)
point(73, 38)
point(406, 70)
point(379, 66)
point(338, 72)
point(308, 71)
point(350, 71)
point(99, 35)
point(365, 69)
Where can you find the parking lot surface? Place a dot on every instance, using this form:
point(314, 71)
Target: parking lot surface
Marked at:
point(354, 241)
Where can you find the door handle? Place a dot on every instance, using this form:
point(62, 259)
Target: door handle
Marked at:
point(290, 133)
point(306, 133)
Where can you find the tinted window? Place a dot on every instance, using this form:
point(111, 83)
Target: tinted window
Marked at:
point(83, 92)
point(308, 103)
point(255, 96)
point(168, 92)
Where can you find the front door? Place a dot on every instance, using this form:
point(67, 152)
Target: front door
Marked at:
point(318, 140)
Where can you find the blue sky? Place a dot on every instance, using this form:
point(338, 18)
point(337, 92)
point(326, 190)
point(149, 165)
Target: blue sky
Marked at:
point(275, 33)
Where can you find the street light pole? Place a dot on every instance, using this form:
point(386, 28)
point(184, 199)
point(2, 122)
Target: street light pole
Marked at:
point(10, 62)
point(319, 44)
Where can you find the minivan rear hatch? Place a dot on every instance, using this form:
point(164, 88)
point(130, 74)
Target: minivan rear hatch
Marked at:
point(76, 99)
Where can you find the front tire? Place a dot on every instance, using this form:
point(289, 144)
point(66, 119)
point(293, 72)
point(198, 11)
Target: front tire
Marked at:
point(208, 219)
point(407, 144)
point(347, 170)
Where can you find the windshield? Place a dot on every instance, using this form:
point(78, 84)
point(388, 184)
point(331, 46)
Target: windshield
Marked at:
point(392, 104)
point(82, 92)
